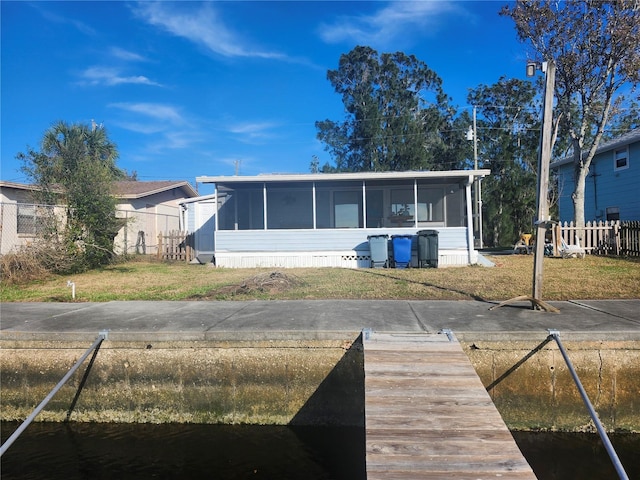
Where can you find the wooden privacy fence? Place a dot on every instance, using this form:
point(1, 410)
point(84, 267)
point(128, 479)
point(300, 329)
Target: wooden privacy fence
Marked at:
point(175, 245)
point(604, 238)
point(630, 238)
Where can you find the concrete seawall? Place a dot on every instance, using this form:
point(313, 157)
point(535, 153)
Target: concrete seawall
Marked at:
point(280, 382)
point(289, 379)
point(532, 387)
point(300, 362)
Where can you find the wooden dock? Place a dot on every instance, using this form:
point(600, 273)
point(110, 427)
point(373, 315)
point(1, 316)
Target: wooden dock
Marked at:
point(428, 415)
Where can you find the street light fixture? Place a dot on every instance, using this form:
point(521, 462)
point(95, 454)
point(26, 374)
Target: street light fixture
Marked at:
point(533, 66)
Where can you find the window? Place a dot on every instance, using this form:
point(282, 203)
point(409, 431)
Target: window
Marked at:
point(347, 209)
point(430, 204)
point(375, 208)
point(289, 207)
point(402, 207)
point(27, 219)
point(32, 218)
point(241, 208)
point(620, 159)
point(613, 213)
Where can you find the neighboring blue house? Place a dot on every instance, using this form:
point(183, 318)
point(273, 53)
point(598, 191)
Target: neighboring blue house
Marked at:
point(322, 219)
point(611, 191)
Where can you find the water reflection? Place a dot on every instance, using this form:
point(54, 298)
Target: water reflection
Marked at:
point(562, 456)
point(104, 451)
point(123, 451)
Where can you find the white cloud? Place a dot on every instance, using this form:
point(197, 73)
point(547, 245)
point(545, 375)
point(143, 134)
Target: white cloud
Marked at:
point(157, 111)
point(394, 21)
point(258, 129)
point(203, 27)
point(253, 132)
point(111, 77)
point(164, 124)
point(55, 18)
point(126, 55)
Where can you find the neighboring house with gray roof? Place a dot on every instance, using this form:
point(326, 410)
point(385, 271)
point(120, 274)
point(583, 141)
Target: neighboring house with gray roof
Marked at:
point(611, 191)
point(149, 208)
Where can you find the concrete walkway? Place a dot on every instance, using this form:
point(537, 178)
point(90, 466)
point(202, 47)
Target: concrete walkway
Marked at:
point(201, 320)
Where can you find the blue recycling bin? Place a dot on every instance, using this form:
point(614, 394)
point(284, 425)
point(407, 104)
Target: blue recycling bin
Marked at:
point(401, 250)
point(379, 250)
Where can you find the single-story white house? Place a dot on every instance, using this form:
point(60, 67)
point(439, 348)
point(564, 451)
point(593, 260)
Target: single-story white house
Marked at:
point(324, 220)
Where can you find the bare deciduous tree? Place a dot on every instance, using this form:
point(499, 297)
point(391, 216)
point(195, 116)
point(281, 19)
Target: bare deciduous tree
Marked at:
point(595, 45)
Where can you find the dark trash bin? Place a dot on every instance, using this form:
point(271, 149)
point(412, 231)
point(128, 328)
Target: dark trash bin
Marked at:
point(428, 248)
point(401, 250)
point(379, 250)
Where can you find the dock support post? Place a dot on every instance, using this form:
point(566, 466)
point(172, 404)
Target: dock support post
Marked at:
point(555, 335)
point(103, 335)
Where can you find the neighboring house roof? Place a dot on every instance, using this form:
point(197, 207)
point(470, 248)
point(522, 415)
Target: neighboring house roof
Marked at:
point(18, 186)
point(621, 141)
point(332, 177)
point(28, 187)
point(134, 189)
point(125, 189)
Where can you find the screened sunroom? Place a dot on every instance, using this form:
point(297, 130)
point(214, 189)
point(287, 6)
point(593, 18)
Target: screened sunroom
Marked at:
point(325, 219)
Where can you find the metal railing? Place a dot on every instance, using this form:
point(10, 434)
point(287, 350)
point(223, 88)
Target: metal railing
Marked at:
point(555, 335)
point(102, 335)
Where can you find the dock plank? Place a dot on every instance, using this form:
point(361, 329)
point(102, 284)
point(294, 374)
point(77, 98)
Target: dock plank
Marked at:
point(428, 415)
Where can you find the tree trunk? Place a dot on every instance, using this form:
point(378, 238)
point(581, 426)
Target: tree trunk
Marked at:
point(582, 171)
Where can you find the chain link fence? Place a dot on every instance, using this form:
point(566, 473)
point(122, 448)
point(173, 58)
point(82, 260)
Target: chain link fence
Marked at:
point(20, 224)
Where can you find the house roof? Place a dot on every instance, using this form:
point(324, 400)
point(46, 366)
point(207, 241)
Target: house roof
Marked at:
point(455, 175)
point(18, 186)
point(134, 189)
point(125, 189)
point(628, 138)
point(211, 196)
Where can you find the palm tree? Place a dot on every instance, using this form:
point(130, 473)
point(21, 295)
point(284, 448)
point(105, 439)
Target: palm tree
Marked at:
point(77, 165)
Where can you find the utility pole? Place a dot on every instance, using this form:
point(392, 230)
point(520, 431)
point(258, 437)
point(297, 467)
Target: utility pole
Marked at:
point(542, 215)
point(472, 134)
point(544, 158)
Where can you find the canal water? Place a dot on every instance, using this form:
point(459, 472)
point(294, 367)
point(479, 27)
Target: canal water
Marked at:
point(123, 451)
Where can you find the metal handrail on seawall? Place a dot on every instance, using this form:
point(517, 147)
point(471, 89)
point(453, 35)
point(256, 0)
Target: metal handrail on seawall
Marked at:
point(102, 335)
point(555, 335)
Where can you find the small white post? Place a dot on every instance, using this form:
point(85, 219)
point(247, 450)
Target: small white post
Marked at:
point(73, 288)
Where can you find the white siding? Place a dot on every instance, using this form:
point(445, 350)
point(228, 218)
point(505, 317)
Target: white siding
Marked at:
point(347, 248)
point(322, 240)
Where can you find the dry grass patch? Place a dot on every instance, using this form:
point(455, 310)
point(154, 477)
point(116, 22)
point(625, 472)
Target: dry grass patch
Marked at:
point(590, 278)
point(270, 283)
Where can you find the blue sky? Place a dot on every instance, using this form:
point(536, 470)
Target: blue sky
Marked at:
point(188, 89)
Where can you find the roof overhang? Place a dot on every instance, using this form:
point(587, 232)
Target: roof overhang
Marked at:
point(185, 186)
point(628, 138)
point(451, 175)
point(211, 196)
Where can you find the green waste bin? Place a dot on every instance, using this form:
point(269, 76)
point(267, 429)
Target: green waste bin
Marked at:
point(379, 250)
point(428, 248)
